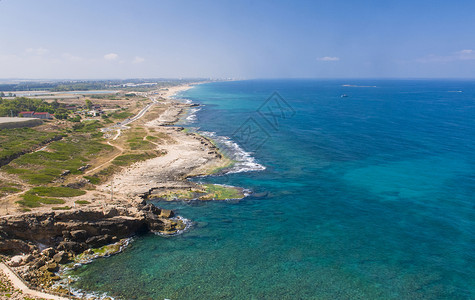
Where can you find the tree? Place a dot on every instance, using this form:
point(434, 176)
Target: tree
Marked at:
point(89, 104)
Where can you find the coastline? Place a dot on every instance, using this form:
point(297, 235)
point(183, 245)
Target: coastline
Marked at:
point(183, 155)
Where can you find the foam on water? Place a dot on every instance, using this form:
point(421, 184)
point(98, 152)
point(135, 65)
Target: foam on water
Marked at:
point(191, 118)
point(188, 223)
point(244, 161)
point(364, 199)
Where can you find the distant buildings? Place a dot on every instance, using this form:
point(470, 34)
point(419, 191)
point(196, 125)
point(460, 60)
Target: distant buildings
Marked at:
point(27, 114)
point(39, 115)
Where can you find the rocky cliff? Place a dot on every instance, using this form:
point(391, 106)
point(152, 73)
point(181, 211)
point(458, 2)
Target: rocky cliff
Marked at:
point(77, 230)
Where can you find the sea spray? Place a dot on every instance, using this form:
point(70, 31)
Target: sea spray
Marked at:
point(244, 161)
point(188, 224)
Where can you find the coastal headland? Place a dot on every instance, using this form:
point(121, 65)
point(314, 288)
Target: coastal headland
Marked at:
point(138, 155)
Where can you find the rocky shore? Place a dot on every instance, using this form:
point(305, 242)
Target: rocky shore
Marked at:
point(40, 242)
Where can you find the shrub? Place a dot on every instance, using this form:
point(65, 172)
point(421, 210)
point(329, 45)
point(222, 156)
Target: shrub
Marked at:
point(61, 208)
point(82, 202)
point(56, 191)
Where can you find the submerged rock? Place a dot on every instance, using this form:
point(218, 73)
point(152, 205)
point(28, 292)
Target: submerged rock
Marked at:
point(64, 235)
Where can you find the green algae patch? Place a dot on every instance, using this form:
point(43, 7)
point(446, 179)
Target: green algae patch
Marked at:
point(204, 192)
point(221, 192)
point(94, 253)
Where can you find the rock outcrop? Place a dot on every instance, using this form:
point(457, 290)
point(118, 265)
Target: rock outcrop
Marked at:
point(77, 230)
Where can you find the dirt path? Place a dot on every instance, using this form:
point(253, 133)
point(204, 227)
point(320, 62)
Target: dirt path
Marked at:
point(121, 150)
point(18, 283)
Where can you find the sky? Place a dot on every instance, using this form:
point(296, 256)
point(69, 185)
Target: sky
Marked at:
point(91, 39)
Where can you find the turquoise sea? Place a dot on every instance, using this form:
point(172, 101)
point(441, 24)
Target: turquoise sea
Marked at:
point(367, 193)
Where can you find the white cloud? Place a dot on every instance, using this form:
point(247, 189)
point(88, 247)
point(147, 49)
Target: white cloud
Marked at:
point(138, 60)
point(329, 58)
point(71, 57)
point(111, 56)
point(37, 51)
point(466, 54)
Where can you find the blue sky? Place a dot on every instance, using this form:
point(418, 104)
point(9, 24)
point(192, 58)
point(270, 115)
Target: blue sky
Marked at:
point(238, 39)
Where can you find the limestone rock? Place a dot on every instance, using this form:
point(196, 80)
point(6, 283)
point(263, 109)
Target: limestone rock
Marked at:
point(61, 257)
point(166, 213)
point(48, 252)
point(79, 235)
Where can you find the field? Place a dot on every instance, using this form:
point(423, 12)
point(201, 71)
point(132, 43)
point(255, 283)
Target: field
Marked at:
point(37, 165)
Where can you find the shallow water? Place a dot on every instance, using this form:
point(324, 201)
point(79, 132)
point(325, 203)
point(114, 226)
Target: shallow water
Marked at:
point(368, 196)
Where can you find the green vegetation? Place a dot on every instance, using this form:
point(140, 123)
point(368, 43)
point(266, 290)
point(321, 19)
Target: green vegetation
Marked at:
point(105, 173)
point(82, 202)
point(31, 200)
point(6, 287)
point(84, 85)
point(208, 192)
point(121, 115)
point(61, 208)
point(88, 126)
point(128, 159)
point(159, 137)
point(92, 179)
point(8, 189)
point(221, 192)
point(17, 105)
point(56, 191)
point(75, 119)
point(103, 251)
point(41, 195)
point(151, 138)
point(89, 104)
point(71, 153)
point(136, 140)
point(15, 141)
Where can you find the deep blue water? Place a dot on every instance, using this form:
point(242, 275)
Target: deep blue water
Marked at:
point(369, 196)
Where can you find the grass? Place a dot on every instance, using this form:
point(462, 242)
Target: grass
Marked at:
point(56, 191)
point(9, 189)
point(71, 153)
point(121, 115)
point(18, 140)
point(82, 202)
point(30, 200)
point(105, 173)
point(87, 126)
point(151, 138)
point(140, 144)
point(93, 179)
point(43, 195)
point(61, 208)
point(128, 159)
point(135, 140)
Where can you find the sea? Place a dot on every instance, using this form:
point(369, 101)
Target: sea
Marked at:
point(356, 189)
